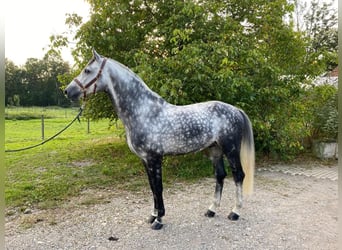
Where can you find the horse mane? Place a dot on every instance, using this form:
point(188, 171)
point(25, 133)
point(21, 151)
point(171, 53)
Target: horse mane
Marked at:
point(137, 79)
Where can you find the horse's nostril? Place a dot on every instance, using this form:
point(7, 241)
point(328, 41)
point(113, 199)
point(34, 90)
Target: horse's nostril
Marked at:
point(65, 92)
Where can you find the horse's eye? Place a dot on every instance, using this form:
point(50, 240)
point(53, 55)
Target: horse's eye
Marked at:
point(87, 71)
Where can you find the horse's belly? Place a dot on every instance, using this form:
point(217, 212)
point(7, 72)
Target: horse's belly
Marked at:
point(184, 148)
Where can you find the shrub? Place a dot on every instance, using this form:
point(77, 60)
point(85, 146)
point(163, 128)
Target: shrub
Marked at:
point(326, 120)
point(322, 113)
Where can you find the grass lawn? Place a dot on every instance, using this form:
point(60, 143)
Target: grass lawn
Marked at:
point(45, 176)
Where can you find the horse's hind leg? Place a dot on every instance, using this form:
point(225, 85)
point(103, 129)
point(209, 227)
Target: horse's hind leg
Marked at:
point(216, 156)
point(238, 175)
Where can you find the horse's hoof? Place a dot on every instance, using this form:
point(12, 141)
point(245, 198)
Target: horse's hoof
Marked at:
point(233, 216)
point(209, 213)
point(157, 225)
point(151, 219)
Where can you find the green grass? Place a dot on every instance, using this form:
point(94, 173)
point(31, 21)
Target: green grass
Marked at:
point(45, 176)
point(28, 113)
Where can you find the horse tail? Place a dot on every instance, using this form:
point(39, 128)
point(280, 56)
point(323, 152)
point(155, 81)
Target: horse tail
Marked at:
point(247, 155)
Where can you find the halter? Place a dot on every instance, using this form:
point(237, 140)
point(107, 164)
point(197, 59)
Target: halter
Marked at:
point(84, 88)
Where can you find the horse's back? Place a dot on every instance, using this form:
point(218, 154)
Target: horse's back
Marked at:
point(209, 107)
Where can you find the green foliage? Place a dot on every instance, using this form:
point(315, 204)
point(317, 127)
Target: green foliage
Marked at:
point(98, 106)
point(321, 32)
point(327, 119)
point(243, 64)
point(240, 52)
point(322, 113)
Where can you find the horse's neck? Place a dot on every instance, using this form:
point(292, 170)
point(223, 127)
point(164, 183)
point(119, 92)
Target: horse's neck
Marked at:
point(130, 95)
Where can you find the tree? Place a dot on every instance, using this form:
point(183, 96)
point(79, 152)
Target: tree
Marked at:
point(240, 52)
point(319, 25)
point(36, 82)
point(13, 90)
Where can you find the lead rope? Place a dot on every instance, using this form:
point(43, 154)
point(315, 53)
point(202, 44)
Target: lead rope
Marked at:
point(77, 117)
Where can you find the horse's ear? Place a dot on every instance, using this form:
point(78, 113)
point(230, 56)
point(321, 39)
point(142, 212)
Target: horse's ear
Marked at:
point(96, 55)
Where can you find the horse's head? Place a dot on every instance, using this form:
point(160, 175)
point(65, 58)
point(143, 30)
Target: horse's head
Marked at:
point(89, 80)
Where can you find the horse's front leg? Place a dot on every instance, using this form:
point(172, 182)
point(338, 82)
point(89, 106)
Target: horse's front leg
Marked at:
point(153, 166)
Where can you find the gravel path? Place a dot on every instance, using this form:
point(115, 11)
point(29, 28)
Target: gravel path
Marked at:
point(287, 211)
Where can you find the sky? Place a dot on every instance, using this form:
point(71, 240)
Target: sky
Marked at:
point(30, 23)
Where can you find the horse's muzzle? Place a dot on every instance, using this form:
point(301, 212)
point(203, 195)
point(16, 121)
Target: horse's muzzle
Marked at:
point(72, 92)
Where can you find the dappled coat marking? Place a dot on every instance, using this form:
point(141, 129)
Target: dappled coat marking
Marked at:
point(155, 128)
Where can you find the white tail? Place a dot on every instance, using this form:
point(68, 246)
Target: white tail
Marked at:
point(247, 156)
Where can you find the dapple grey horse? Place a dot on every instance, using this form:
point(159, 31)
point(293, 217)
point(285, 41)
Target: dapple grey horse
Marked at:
point(155, 128)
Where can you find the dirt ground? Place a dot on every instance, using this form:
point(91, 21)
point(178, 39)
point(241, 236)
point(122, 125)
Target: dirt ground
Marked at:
point(289, 210)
